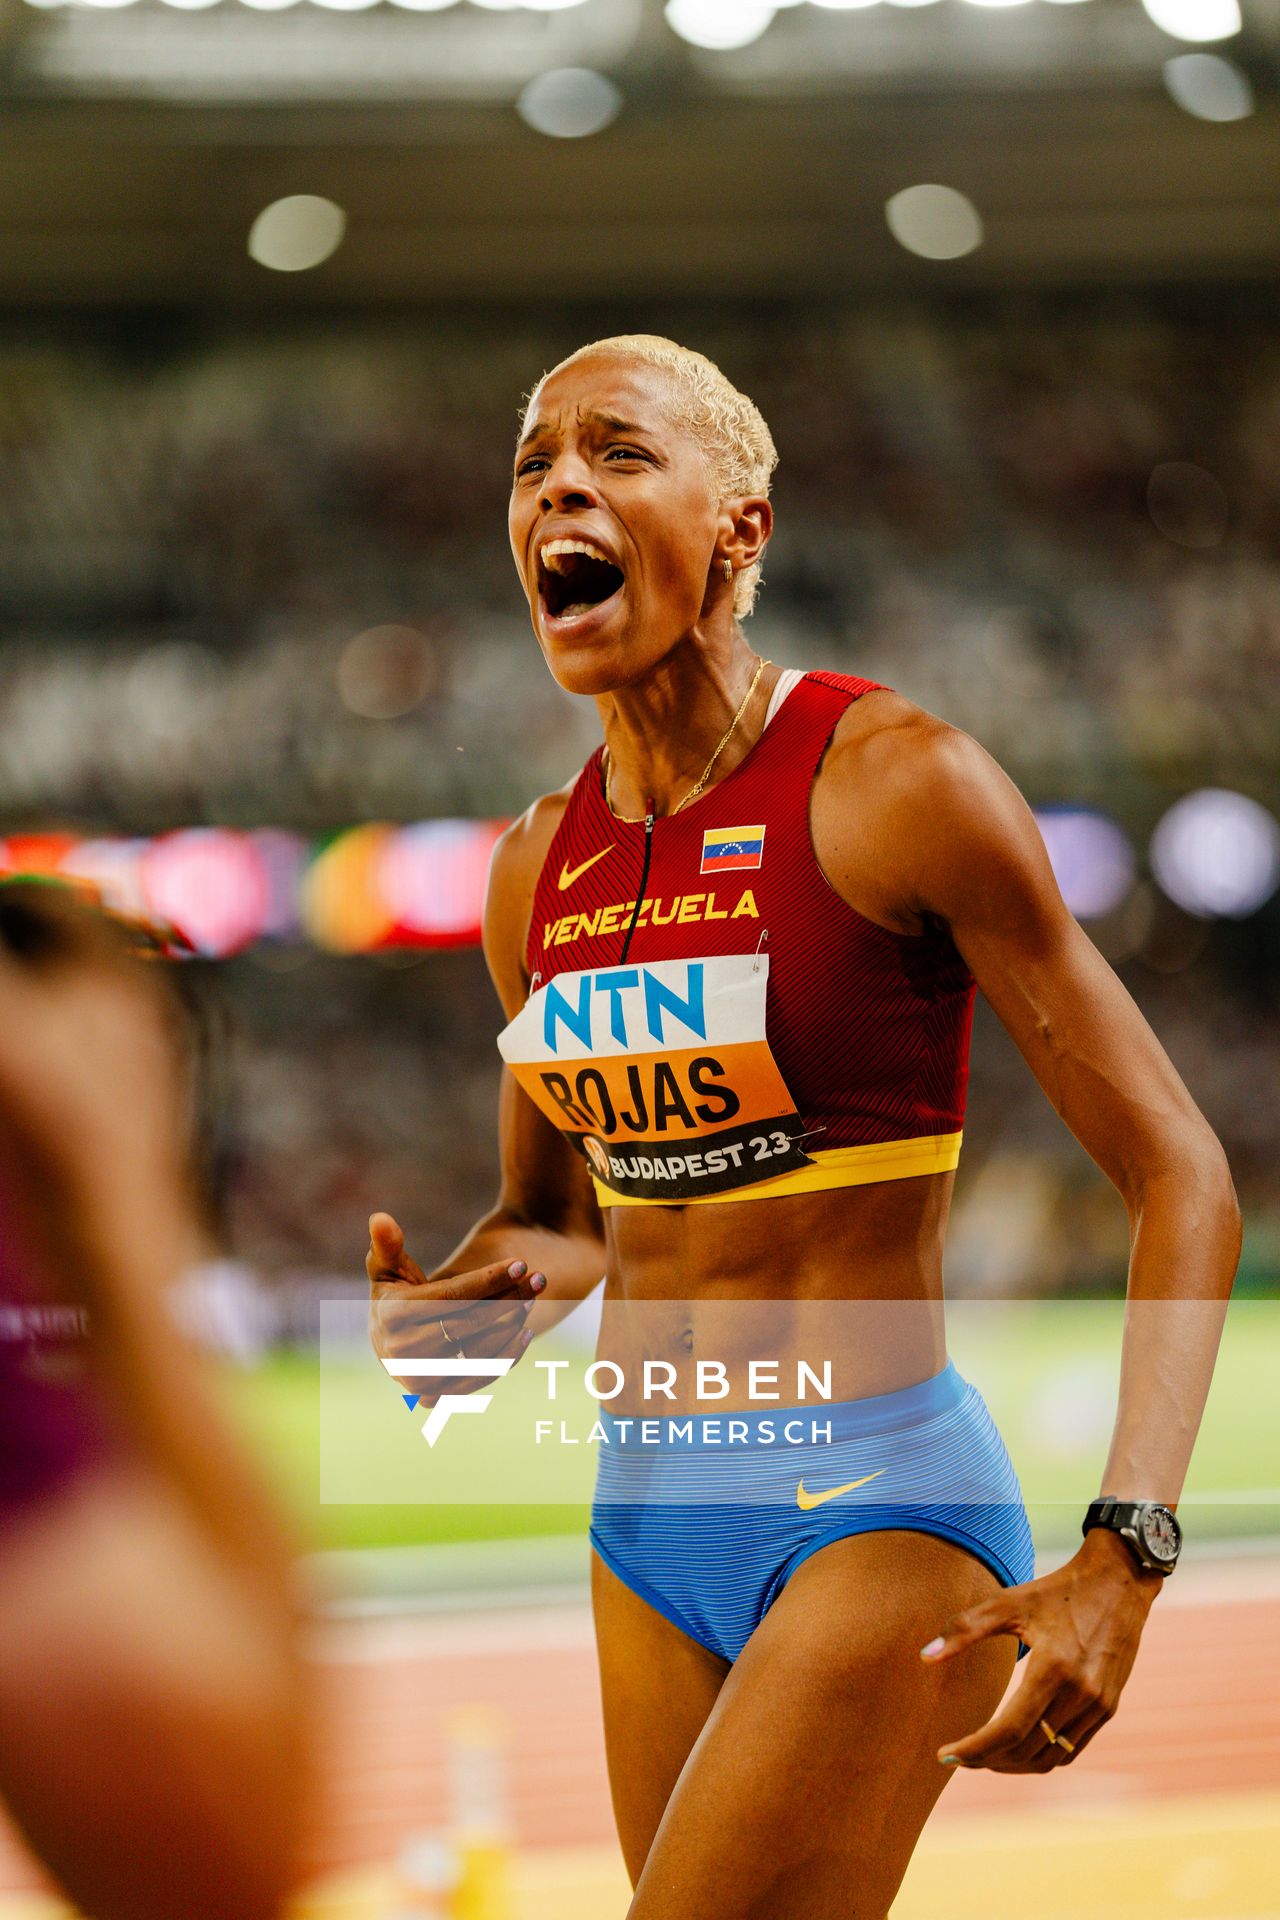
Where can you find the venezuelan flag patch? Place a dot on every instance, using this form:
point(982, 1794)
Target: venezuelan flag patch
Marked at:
point(728, 849)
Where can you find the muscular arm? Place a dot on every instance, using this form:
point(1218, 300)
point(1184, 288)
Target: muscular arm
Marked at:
point(961, 847)
point(546, 1211)
point(919, 826)
point(988, 876)
point(545, 1214)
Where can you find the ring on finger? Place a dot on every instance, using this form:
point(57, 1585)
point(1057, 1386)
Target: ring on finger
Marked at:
point(1057, 1739)
point(455, 1344)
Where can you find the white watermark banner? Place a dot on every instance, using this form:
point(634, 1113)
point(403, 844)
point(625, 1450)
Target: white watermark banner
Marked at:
point(801, 1405)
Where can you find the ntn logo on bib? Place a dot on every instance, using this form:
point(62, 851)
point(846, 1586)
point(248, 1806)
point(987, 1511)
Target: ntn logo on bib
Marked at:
point(661, 1063)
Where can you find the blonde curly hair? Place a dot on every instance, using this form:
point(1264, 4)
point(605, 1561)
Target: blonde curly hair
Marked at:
point(729, 428)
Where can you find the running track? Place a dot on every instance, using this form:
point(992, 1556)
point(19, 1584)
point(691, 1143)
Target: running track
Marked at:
point(1201, 1716)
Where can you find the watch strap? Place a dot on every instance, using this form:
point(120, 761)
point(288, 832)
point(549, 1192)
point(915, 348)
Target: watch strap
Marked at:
point(1111, 1513)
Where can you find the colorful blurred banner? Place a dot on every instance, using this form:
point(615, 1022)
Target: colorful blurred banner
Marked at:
point(362, 890)
point(368, 888)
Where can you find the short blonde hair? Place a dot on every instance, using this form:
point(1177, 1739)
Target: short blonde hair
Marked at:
point(729, 428)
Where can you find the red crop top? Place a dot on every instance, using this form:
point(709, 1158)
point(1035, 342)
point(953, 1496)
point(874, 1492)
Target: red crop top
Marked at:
point(708, 1019)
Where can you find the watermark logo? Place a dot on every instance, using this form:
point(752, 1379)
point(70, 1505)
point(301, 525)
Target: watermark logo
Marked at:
point(453, 1368)
point(605, 1380)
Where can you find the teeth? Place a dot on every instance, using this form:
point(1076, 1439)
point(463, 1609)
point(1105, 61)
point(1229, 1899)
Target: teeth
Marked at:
point(556, 551)
point(579, 606)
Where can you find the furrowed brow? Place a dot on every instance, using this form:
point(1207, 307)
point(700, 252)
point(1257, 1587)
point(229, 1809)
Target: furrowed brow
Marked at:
point(610, 422)
point(539, 431)
point(613, 423)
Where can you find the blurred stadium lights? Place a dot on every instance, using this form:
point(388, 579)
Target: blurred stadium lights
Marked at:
point(378, 886)
point(1216, 854)
point(715, 24)
point(370, 888)
point(352, 6)
point(283, 858)
point(296, 233)
point(720, 25)
point(210, 883)
point(569, 103)
point(936, 222)
point(112, 867)
point(341, 907)
point(432, 879)
point(1196, 19)
point(353, 50)
point(1091, 858)
point(491, 49)
point(1206, 85)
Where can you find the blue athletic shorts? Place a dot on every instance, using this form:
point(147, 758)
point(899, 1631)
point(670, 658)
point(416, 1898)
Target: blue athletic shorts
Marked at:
point(707, 1517)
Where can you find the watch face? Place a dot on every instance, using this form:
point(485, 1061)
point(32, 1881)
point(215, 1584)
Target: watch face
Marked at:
point(1161, 1534)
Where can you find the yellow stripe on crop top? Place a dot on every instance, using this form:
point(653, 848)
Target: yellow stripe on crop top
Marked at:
point(834, 1167)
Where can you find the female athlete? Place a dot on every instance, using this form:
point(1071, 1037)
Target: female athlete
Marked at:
point(738, 955)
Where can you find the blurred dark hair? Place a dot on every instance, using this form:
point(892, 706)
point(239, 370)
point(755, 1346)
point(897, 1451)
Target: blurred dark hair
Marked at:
point(47, 923)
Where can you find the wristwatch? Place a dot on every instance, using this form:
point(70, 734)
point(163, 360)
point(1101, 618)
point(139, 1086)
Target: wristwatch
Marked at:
point(1150, 1531)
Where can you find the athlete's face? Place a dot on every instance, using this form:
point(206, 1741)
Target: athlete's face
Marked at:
point(602, 465)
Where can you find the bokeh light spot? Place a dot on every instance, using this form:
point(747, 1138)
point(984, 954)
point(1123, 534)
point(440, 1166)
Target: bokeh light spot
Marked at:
point(432, 876)
point(209, 883)
point(719, 24)
point(569, 103)
point(296, 233)
point(385, 672)
point(1206, 85)
point(1195, 19)
point(936, 222)
point(1217, 854)
point(1091, 858)
point(343, 908)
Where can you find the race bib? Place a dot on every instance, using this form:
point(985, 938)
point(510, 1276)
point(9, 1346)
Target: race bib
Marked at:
point(661, 1075)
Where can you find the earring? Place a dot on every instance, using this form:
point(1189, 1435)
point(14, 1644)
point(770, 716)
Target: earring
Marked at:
point(728, 570)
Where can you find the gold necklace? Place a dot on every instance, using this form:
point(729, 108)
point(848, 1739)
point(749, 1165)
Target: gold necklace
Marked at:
point(635, 819)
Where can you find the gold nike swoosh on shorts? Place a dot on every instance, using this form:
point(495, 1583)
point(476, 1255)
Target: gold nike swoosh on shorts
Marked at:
point(808, 1501)
point(567, 879)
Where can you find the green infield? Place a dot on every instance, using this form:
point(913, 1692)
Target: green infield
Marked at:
point(350, 1461)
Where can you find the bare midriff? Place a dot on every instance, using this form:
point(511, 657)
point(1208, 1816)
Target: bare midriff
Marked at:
point(851, 1277)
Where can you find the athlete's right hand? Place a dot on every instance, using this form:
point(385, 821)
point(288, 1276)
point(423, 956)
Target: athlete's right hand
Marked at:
point(481, 1313)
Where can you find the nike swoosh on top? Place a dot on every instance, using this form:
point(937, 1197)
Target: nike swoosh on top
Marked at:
point(808, 1501)
point(567, 879)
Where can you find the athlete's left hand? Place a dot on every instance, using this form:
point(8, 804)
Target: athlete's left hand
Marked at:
point(1082, 1624)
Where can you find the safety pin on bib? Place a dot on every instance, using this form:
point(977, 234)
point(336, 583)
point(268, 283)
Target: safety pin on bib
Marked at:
point(764, 935)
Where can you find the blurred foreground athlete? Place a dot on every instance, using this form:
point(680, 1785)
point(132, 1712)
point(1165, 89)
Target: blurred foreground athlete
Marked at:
point(738, 956)
point(152, 1744)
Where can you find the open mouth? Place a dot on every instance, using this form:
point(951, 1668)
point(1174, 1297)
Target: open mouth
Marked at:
point(574, 578)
